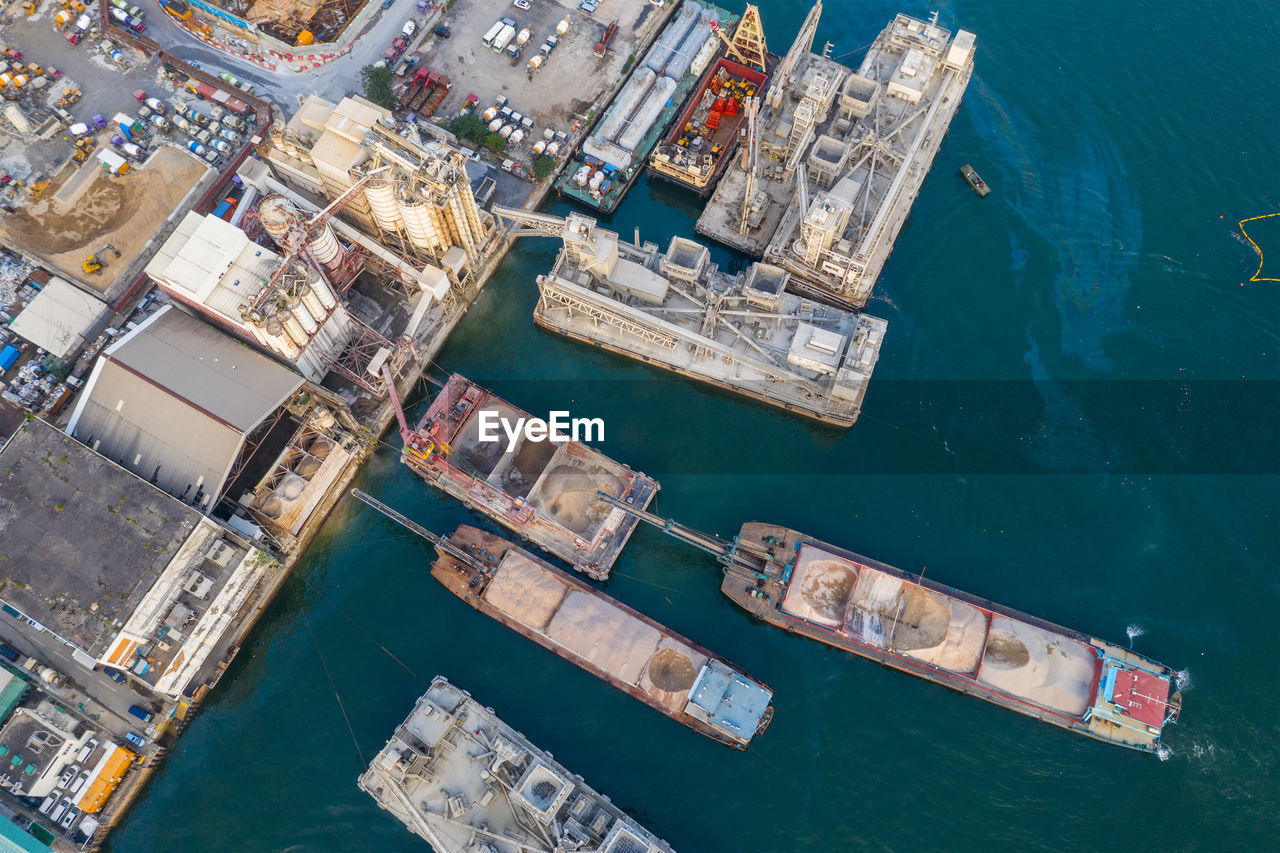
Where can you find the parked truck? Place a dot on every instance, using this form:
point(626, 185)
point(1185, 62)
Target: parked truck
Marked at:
point(504, 38)
point(438, 86)
point(203, 90)
point(517, 47)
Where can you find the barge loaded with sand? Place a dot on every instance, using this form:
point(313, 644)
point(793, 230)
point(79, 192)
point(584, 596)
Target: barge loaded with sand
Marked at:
point(613, 156)
point(542, 490)
point(836, 158)
point(1031, 666)
point(743, 333)
point(461, 778)
point(626, 649)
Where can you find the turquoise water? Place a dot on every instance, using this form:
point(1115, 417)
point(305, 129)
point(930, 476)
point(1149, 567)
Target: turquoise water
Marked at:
point(1074, 414)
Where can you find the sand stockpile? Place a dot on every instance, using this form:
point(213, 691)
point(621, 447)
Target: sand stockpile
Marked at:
point(820, 590)
point(605, 635)
point(567, 495)
point(1044, 667)
point(124, 211)
point(525, 591)
point(944, 632)
point(671, 672)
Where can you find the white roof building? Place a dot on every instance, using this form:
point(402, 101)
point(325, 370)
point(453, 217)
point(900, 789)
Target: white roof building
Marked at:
point(59, 318)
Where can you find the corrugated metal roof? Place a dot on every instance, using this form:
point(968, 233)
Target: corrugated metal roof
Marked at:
point(58, 318)
point(180, 395)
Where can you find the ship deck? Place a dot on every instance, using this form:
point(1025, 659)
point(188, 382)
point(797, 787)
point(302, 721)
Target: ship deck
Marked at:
point(959, 640)
point(622, 180)
point(725, 137)
point(582, 625)
point(542, 489)
point(453, 772)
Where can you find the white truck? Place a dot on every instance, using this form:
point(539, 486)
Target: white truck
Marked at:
point(504, 38)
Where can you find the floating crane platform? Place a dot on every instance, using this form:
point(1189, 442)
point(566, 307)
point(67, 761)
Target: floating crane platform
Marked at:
point(462, 779)
point(603, 636)
point(1063, 677)
point(612, 157)
point(841, 156)
point(743, 333)
point(541, 490)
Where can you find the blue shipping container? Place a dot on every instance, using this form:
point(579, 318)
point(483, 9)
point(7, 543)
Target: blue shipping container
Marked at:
point(8, 357)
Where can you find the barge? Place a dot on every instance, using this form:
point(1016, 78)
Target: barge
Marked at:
point(624, 648)
point(610, 159)
point(542, 490)
point(1026, 664)
point(701, 142)
point(742, 333)
point(839, 156)
point(463, 780)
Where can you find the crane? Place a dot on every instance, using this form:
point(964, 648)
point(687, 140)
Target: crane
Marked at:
point(800, 48)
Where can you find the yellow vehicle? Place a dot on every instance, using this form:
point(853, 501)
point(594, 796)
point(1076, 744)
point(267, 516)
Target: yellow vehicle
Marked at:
point(93, 263)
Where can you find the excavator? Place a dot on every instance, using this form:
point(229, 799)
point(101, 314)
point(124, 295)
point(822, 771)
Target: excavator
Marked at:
point(93, 263)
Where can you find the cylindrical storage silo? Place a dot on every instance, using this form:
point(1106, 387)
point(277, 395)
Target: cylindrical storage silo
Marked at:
point(417, 222)
point(382, 201)
point(277, 215)
point(326, 248)
point(293, 328)
point(280, 341)
point(303, 316)
point(314, 305)
point(324, 293)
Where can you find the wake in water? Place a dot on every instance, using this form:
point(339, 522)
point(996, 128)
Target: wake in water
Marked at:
point(1182, 680)
point(1134, 631)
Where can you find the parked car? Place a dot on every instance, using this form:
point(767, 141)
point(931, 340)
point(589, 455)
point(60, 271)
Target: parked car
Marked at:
point(72, 814)
point(114, 674)
point(141, 713)
point(59, 810)
point(85, 751)
point(386, 4)
point(8, 653)
point(135, 739)
point(521, 4)
point(442, 31)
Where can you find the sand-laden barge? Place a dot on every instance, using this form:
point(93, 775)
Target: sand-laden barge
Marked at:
point(459, 777)
point(543, 490)
point(841, 156)
point(743, 333)
point(603, 636)
point(922, 627)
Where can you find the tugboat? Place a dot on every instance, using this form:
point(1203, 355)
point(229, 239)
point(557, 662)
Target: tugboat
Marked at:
point(979, 186)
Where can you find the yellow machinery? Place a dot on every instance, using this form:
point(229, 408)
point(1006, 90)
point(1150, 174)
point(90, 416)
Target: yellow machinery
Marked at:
point(84, 147)
point(28, 7)
point(93, 263)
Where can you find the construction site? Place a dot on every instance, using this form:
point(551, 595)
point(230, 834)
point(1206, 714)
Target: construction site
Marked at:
point(834, 158)
point(90, 224)
point(292, 22)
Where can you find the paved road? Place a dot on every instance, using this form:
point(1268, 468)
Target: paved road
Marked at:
point(93, 695)
point(332, 81)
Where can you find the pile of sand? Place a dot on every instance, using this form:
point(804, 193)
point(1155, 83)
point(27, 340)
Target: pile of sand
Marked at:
point(568, 496)
point(819, 592)
point(525, 591)
point(1039, 665)
point(605, 635)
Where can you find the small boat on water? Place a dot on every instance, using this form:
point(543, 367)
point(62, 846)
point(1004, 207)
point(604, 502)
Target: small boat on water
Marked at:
point(979, 185)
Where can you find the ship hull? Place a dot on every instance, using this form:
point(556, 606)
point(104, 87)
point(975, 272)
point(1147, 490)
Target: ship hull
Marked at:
point(454, 576)
point(839, 419)
point(741, 593)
